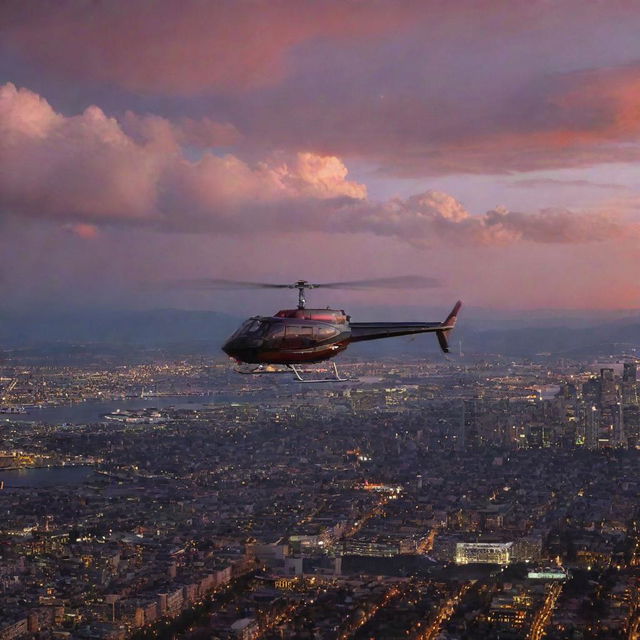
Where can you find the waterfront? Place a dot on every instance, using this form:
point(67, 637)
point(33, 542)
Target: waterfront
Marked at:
point(94, 410)
point(45, 476)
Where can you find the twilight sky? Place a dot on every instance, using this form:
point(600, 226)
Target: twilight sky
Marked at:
point(493, 145)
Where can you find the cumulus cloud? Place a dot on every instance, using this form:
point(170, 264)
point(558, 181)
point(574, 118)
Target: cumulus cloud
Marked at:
point(90, 169)
point(199, 134)
point(433, 217)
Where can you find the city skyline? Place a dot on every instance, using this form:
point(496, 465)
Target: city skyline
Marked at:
point(490, 146)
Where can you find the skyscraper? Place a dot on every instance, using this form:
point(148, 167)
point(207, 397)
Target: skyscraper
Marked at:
point(468, 435)
point(629, 383)
point(619, 438)
point(608, 387)
point(630, 372)
point(592, 427)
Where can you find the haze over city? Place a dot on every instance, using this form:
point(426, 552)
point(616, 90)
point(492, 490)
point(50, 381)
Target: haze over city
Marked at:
point(493, 147)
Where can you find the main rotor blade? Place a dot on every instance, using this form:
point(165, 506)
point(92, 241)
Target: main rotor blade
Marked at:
point(396, 282)
point(217, 283)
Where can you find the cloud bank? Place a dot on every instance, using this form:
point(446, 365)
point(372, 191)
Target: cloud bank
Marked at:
point(433, 217)
point(418, 88)
point(90, 170)
point(93, 169)
point(197, 45)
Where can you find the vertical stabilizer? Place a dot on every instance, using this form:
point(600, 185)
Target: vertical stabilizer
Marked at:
point(447, 326)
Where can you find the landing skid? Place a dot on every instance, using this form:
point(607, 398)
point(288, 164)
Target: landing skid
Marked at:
point(292, 368)
point(260, 370)
point(336, 378)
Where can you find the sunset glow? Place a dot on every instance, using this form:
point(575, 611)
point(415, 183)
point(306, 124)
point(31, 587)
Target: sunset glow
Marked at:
point(491, 145)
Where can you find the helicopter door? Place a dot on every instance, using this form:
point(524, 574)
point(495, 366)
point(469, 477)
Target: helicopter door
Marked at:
point(298, 337)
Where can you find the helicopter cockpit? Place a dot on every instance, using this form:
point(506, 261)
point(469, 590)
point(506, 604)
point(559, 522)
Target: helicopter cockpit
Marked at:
point(259, 329)
point(251, 328)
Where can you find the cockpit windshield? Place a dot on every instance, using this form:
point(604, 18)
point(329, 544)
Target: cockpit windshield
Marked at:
point(253, 328)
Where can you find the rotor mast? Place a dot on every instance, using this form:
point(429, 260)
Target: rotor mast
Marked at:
point(301, 285)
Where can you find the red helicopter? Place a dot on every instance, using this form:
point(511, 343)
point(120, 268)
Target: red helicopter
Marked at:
point(294, 337)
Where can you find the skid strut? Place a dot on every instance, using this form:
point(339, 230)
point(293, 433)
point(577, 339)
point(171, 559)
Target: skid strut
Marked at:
point(336, 378)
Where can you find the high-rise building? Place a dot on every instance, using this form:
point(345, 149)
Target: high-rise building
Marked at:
point(631, 418)
point(618, 436)
point(592, 427)
point(629, 383)
point(591, 390)
point(608, 421)
point(630, 372)
point(468, 436)
point(608, 387)
point(460, 436)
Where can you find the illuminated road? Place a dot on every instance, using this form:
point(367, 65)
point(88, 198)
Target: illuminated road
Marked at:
point(374, 511)
point(285, 616)
point(443, 614)
point(389, 596)
point(634, 627)
point(543, 615)
point(426, 545)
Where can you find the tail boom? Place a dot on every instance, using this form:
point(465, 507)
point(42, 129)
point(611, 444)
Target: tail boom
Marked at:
point(361, 331)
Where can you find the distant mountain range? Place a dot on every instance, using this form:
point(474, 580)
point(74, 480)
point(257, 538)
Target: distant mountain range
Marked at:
point(137, 328)
point(560, 341)
point(479, 331)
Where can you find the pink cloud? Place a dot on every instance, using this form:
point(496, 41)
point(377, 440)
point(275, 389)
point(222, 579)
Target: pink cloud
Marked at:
point(184, 47)
point(92, 170)
point(493, 125)
point(200, 134)
point(416, 88)
point(575, 120)
point(433, 217)
point(88, 168)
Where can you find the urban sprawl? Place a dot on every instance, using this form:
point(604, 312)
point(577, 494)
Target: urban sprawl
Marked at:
point(462, 499)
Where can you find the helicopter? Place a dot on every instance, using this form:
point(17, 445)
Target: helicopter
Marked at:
point(295, 337)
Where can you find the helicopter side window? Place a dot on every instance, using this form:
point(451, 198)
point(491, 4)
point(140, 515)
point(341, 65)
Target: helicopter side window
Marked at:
point(325, 333)
point(298, 336)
